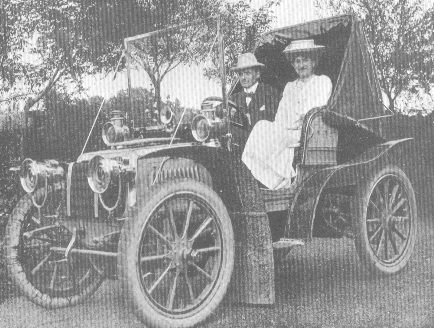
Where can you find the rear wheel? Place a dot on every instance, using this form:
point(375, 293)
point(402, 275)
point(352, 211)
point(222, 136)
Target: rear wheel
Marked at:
point(176, 258)
point(46, 277)
point(385, 226)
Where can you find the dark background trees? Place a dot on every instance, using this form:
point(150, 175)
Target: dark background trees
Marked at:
point(401, 39)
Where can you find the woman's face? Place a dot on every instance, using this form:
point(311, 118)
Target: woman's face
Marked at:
point(304, 66)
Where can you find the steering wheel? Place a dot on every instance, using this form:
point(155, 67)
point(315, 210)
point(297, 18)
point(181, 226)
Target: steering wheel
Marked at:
point(237, 117)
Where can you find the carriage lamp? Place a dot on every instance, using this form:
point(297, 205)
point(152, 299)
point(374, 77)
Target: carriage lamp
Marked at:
point(102, 172)
point(34, 175)
point(115, 130)
point(204, 128)
point(200, 128)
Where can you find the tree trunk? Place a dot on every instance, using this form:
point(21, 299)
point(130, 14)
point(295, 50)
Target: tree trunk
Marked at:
point(157, 86)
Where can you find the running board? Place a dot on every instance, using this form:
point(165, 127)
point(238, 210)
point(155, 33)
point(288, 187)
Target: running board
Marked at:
point(287, 243)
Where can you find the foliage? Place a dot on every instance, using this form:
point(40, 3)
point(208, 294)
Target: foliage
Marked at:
point(241, 25)
point(401, 36)
point(144, 112)
point(61, 130)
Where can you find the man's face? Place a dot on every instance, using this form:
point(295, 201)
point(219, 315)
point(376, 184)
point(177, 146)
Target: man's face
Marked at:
point(248, 77)
point(304, 66)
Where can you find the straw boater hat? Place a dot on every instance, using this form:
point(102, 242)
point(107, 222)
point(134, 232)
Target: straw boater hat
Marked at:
point(247, 60)
point(298, 47)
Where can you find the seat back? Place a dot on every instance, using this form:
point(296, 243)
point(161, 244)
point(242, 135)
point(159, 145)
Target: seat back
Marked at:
point(319, 141)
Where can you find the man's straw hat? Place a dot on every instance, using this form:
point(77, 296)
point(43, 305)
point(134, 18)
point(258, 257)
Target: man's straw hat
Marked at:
point(247, 60)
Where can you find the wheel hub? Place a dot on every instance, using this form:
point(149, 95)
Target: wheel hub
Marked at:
point(182, 253)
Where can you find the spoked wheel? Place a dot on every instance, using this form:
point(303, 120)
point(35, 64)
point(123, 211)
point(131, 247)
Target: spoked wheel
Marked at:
point(176, 258)
point(46, 277)
point(386, 222)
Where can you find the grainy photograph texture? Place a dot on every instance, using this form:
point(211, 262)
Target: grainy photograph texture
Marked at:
point(225, 163)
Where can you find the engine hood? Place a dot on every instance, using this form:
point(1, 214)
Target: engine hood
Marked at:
point(132, 153)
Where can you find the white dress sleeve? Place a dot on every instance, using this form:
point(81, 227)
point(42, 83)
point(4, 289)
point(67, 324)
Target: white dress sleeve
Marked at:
point(321, 91)
point(285, 114)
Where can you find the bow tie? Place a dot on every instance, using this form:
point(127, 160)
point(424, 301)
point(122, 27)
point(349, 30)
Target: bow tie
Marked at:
point(249, 94)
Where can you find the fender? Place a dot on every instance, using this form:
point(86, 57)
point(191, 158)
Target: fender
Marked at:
point(308, 193)
point(253, 277)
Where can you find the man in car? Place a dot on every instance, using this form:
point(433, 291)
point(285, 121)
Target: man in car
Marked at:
point(257, 100)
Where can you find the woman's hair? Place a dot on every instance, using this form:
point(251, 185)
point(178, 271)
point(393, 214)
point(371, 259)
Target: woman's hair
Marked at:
point(314, 55)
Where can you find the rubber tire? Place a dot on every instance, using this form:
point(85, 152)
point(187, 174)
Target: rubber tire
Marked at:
point(128, 254)
point(363, 248)
point(16, 271)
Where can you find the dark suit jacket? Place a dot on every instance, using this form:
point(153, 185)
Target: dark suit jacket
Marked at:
point(263, 106)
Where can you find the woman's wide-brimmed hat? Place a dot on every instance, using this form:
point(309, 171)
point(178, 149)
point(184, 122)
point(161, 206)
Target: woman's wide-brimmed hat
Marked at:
point(247, 60)
point(306, 46)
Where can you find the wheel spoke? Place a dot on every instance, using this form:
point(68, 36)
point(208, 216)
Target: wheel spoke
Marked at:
point(201, 228)
point(386, 194)
point(154, 257)
point(400, 219)
point(396, 231)
point(202, 271)
point(157, 282)
point(380, 243)
point(159, 234)
point(386, 255)
point(95, 268)
point(207, 250)
point(172, 292)
point(40, 264)
point(393, 242)
point(172, 222)
point(36, 221)
point(53, 277)
point(190, 287)
point(380, 198)
point(393, 196)
point(399, 205)
point(375, 205)
point(187, 219)
point(379, 229)
point(84, 277)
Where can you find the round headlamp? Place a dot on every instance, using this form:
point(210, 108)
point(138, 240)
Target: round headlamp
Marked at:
point(30, 175)
point(101, 171)
point(112, 133)
point(200, 128)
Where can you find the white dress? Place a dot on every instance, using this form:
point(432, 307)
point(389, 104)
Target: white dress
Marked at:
point(268, 152)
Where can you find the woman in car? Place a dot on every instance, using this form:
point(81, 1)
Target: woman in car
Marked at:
point(269, 150)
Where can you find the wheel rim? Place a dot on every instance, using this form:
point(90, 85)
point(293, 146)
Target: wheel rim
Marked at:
point(50, 272)
point(180, 254)
point(389, 220)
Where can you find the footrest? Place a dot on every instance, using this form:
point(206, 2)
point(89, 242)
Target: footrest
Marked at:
point(287, 243)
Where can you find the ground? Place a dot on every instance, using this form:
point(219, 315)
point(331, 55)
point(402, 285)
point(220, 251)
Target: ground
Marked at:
point(319, 285)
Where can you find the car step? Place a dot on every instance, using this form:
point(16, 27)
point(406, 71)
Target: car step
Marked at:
point(287, 243)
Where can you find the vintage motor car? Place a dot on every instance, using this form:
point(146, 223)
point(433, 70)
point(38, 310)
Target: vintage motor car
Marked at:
point(175, 215)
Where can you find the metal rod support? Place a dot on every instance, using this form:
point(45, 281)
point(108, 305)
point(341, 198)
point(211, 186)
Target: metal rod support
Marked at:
point(84, 252)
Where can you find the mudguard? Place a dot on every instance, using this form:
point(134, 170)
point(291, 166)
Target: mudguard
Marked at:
point(253, 277)
point(308, 193)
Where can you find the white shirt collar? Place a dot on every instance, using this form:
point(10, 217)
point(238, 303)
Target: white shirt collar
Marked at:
point(252, 89)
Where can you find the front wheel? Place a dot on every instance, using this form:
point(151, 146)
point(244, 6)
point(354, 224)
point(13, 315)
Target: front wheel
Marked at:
point(45, 276)
point(176, 258)
point(385, 225)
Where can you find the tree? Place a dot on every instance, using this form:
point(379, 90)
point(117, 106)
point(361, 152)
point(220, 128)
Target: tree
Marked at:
point(70, 38)
point(243, 26)
point(400, 34)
